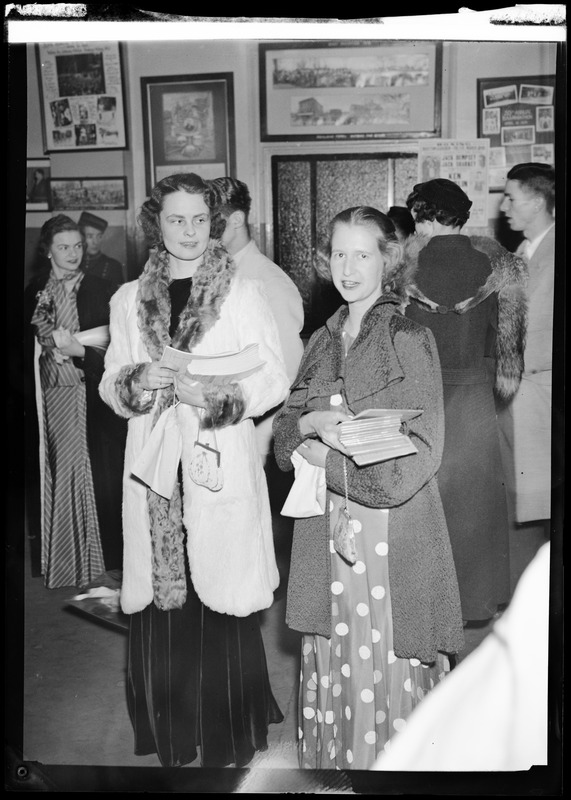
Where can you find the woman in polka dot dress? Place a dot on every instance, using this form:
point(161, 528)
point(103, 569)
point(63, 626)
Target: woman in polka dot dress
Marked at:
point(377, 631)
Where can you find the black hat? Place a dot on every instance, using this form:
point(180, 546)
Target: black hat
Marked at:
point(445, 195)
point(94, 222)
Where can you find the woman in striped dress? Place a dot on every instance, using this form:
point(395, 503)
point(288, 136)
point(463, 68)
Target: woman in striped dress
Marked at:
point(81, 441)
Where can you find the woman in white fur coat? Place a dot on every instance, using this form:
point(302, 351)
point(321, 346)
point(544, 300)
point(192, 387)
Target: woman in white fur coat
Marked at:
point(198, 553)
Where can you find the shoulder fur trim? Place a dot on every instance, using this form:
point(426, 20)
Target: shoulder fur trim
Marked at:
point(508, 280)
point(210, 287)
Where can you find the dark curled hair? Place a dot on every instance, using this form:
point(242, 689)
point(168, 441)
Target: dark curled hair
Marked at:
point(536, 178)
point(385, 234)
point(229, 195)
point(150, 211)
point(423, 211)
point(52, 227)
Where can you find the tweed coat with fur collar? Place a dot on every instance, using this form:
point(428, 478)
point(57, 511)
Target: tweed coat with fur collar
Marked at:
point(229, 532)
point(393, 363)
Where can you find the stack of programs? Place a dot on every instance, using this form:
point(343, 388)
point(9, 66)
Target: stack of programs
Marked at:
point(375, 435)
point(218, 368)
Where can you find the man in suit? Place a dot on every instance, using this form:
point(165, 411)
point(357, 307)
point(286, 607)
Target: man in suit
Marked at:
point(97, 262)
point(230, 224)
point(525, 424)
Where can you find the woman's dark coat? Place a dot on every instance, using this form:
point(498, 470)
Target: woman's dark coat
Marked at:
point(393, 363)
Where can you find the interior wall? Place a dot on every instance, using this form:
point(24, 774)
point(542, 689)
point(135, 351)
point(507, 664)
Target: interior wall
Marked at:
point(463, 64)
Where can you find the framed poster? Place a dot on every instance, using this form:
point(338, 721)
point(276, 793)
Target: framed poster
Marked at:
point(80, 194)
point(81, 88)
point(345, 90)
point(38, 184)
point(517, 116)
point(188, 125)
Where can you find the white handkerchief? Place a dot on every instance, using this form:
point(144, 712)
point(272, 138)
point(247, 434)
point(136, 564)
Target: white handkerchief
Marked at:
point(158, 461)
point(307, 496)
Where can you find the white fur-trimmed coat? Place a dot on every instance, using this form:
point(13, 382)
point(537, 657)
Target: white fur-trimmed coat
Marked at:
point(230, 541)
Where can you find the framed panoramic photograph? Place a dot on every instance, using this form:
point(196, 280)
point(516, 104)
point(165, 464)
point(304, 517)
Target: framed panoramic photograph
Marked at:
point(81, 87)
point(79, 194)
point(38, 184)
point(517, 116)
point(346, 90)
point(188, 125)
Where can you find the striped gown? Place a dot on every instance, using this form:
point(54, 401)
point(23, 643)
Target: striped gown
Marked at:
point(71, 546)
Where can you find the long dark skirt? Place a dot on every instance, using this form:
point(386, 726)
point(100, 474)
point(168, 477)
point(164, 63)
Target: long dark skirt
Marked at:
point(198, 679)
point(473, 494)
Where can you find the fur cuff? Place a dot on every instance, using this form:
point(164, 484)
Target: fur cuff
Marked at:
point(130, 392)
point(225, 405)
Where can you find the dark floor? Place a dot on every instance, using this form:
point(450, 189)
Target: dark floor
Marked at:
point(74, 672)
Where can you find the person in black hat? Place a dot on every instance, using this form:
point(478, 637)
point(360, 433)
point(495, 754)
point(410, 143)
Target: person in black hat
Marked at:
point(403, 221)
point(97, 262)
point(470, 293)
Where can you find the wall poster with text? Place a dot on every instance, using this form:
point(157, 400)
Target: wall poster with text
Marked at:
point(517, 116)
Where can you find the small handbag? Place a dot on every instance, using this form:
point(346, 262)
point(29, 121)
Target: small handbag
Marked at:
point(204, 467)
point(344, 531)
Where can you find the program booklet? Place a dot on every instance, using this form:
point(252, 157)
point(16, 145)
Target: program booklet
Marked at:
point(218, 368)
point(375, 435)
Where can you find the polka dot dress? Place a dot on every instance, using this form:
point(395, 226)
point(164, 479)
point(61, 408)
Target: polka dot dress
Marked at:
point(355, 693)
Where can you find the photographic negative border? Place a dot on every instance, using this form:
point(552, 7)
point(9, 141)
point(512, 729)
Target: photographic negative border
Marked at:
point(33, 164)
point(518, 102)
point(73, 121)
point(203, 141)
point(347, 90)
point(88, 200)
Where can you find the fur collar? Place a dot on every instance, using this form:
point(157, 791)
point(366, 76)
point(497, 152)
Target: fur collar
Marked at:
point(508, 280)
point(210, 287)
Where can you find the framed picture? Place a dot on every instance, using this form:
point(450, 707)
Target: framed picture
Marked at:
point(517, 116)
point(81, 88)
point(188, 125)
point(80, 194)
point(329, 90)
point(38, 184)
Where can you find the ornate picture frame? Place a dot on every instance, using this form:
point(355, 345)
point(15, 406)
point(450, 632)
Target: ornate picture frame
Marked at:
point(188, 125)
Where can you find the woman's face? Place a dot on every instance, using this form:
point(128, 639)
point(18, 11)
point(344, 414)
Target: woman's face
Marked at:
point(185, 225)
point(357, 265)
point(66, 251)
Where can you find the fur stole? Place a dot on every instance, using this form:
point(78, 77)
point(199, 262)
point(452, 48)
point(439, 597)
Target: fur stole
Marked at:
point(508, 280)
point(210, 287)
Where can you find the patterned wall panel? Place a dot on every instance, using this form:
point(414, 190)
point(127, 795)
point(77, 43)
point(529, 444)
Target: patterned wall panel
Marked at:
point(342, 183)
point(308, 191)
point(293, 222)
point(406, 175)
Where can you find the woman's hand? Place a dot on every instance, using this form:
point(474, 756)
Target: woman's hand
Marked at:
point(314, 451)
point(190, 391)
point(67, 345)
point(155, 376)
point(324, 424)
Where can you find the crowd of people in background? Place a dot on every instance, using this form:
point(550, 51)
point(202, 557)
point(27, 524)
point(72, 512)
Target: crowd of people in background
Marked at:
point(396, 558)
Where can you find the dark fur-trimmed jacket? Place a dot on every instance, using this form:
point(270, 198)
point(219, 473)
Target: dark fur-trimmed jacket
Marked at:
point(229, 532)
point(393, 363)
point(507, 280)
